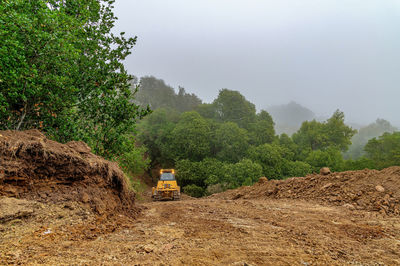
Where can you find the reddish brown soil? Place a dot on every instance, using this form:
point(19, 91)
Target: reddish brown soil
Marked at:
point(51, 196)
point(354, 189)
point(36, 168)
point(205, 232)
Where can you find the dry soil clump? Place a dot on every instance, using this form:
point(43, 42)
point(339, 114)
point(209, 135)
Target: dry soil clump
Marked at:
point(33, 167)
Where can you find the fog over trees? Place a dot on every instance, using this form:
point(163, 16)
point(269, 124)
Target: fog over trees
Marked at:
point(228, 143)
point(289, 117)
point(256, 95)
point(323, 55)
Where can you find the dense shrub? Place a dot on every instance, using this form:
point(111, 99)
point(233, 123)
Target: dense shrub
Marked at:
point(193, 190)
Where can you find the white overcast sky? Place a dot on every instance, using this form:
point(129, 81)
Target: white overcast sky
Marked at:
point(323, 54)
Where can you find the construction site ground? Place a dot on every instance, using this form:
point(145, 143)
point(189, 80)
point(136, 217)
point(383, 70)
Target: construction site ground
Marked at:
point(208, 231)
point(62, 205)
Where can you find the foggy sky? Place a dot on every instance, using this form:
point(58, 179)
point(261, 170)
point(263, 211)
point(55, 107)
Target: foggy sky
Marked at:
point(323, 54)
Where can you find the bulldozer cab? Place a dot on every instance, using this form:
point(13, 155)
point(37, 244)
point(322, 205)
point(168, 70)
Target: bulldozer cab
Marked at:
point(167, 187)
point(167, 176)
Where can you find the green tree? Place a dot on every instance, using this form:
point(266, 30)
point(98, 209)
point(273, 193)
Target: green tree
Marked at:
point(231, 142)
point(360, 139)
point(262, 130)
point(244, 172)
point(359, 164)
point(193, 191)
point(330, 157)
point(339, 134)
point(61, 71)
point(231, 106)
point(384, 151)
point(310, 137)
point(155, 132)
point(155, 93)
point(271, 159)
point(133, 159)
point(206, 110)
point(186, 101)
point(296, 168)
point(189, 173)
point(191, 137)
point(314, 135)
point(216, 172)
point(216, 176)
point(286, 142)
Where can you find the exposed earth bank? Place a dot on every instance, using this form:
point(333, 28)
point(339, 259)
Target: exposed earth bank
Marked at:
point(35, 168)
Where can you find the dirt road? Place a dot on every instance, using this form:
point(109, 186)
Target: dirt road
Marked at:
point(208, 232)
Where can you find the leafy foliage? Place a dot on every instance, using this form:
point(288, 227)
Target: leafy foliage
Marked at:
point(132, 159)
point(231, 142)
point(338, 133)
point(155, 93)
point(330, 157)
point(210, 172)
point(226, 144)
point(359, 164)
point(270, 157)
point(245, 172)
point(371, 131)
point(314, 135)
point(194, 191)
point(262, 130)
point(155, 132)
point(61, 71)
point(189, 172)
point(384, 151)
point(231, 106)
point(191, 137)
point(286, 142)
point(296, 168)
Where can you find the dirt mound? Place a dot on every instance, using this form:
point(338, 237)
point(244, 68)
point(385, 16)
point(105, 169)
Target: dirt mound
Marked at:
point(366, 189)
point(36, 168)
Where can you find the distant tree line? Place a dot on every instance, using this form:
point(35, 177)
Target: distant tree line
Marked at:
point(156, 94)
point(226, 144)
point(364, 134)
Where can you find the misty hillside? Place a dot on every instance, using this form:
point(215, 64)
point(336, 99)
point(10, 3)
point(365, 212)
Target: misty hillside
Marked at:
point(366, 133)
point(289, 117)
point(157, 94)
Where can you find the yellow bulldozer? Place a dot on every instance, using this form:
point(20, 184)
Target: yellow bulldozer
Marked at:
point(167, 188)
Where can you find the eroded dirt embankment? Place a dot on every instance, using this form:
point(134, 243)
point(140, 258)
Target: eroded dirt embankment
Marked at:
point(370, 190)
point(35, 168)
